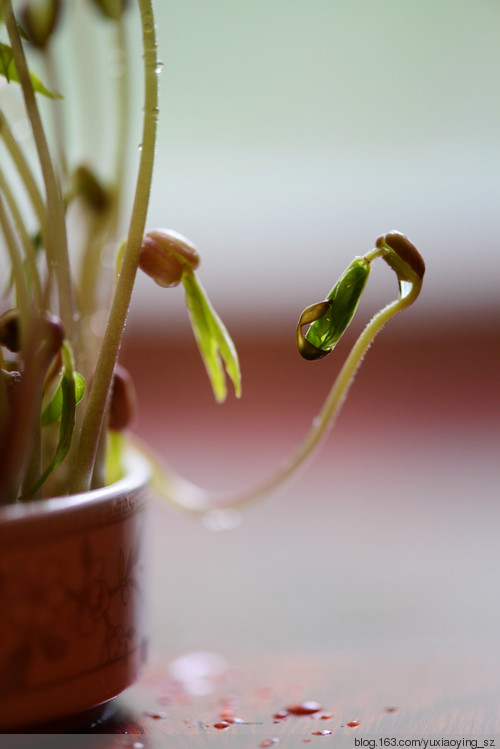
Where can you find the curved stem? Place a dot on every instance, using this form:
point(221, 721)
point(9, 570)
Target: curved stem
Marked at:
point(23, 169)
point(123, 97)
point(24, 237)
point(56, 245)
point(103, 228)
point(59, 129)
point(17, 265)
point(98, 396)
point(195, 499)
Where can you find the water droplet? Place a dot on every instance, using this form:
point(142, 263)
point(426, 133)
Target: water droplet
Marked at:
point(324, 732)
point(156, 716)
point(221, 520)
point(222, 725)
point(281, 715)
point(304, 708)
point(353, 723)
point(137, 745)
point(326, 716)
point(159, 66)
point(268, 742)
point(140, 146)
point(391, 708)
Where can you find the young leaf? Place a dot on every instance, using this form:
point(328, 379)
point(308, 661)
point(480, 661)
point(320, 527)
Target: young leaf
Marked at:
point(68, 408)
point(216, 347)
point(332, 320)
point(8, 70)
point(54, 408)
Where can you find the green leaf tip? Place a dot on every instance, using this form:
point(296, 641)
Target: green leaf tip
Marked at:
point(215, 344)
point(72, 387)
point(329, 319)
point(8, 70)
point(54, 408)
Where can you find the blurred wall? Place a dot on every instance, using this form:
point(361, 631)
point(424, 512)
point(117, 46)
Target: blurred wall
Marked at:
point(293, 132)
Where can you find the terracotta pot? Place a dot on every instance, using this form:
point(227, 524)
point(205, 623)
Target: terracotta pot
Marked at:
point(72, 633)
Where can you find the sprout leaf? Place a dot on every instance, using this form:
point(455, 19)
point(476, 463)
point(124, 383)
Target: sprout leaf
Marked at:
point(9, 71)
point(54, 408)
point(215, 344)
point(69, 389)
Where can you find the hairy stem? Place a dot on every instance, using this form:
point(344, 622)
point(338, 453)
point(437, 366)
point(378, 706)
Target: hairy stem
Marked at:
point(196, 499)
point(98, 396)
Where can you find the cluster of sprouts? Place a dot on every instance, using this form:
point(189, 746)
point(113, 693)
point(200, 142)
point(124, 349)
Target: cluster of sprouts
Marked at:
point(65, 402)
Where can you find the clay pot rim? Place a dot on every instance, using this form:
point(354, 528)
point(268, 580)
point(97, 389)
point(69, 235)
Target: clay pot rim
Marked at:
point(138, 474)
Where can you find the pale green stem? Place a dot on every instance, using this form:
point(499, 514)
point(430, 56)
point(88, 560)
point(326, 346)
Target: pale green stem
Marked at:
point(89, 289)
point(56, 245)
point(196, 499)
point(57, 112)
point(99, 392)
point(104, 228)
point(18, 452)
point(26, 240)
point(123, 115)
point(336, 396)
point(23, 169)
point(22, 296)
